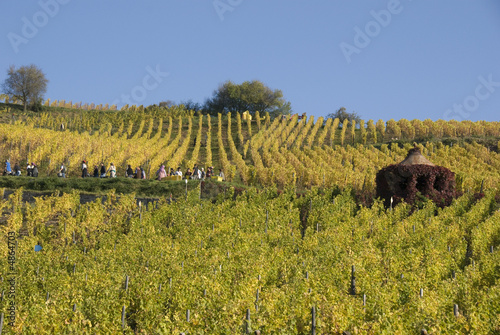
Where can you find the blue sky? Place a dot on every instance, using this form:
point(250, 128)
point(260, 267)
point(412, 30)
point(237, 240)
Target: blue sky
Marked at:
point(410, 59)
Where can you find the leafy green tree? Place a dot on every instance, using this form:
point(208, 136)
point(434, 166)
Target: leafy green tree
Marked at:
point(343, 115)
point(27, 84)
point(249, 96)
point(191, 105)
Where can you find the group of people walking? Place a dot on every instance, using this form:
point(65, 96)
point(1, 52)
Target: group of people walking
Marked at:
point(196, 173)
point(31, 169)
point(103, 172)
point(99, 172)
point(138, 173)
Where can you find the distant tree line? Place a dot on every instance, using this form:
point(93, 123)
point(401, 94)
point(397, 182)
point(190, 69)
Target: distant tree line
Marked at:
point(28, 84)
point(251, 96)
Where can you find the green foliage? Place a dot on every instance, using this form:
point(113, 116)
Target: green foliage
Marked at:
point(343, 115)
point(249, 96)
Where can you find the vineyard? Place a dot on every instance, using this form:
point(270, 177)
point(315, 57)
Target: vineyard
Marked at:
point(298, 250)
point(260, 261)
point(280, 152)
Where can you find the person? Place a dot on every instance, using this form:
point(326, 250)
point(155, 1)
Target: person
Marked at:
point(179, 172)
point(129, 173)
point(196, 171)
point(62, 171)
point(29, 170)
point(161, 173)
point(209, 172)
point(188, 173)
point(221, 174)
point(143, 173)
point(172, 171)
point(103, 171)
point(8, 169)
point(85, 171)
point(202, 173)
point(17, 170)
point(96, 172)
point(35, 170)
point(112, 171)
point(137, 173)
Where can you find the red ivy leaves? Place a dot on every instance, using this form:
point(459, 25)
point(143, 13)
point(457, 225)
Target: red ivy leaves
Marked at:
point(405, 182)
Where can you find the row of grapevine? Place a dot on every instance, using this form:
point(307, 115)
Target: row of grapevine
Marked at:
point(236, 157)
point(114, 267)
point(227, 167)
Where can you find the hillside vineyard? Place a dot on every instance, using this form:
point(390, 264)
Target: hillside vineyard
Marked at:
point(300, 248)
point(201, 268)
point(281, 153)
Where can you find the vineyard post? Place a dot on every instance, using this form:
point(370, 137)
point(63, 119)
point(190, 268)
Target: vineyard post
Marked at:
point(187, 315)
point(247, 321)
point(123, 316)
point(313, 321)
point(1, 323)
point(126, 283)
point(140, 211)
point(455, 310)
point(353, 282)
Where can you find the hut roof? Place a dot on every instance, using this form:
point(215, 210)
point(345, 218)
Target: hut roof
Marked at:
point(415, 157)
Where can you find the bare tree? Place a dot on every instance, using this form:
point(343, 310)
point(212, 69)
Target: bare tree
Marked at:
point(26, 84)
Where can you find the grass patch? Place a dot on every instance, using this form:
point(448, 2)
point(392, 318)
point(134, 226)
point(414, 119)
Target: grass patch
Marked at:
point(100, 186)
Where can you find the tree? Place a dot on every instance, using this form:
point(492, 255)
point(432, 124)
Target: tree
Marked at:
point(26, 84)
point(343, 115)
point(167, 103)
point(249, 96)
point(190, 105)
